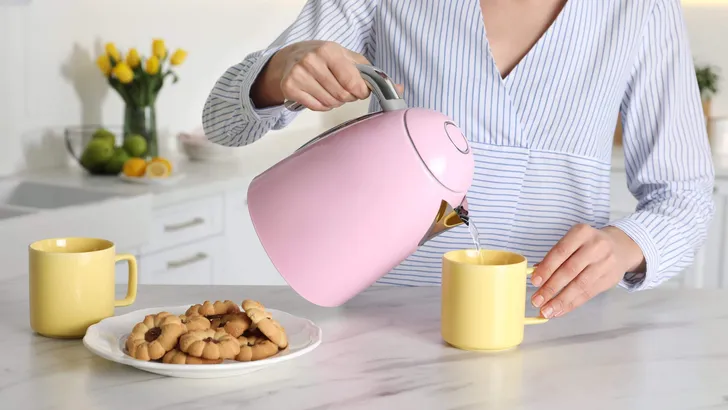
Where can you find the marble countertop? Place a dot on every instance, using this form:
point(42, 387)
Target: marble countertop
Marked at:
point(660, 349)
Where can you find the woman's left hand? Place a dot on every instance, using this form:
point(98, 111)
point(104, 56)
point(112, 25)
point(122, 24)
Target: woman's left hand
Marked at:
point(583, 264)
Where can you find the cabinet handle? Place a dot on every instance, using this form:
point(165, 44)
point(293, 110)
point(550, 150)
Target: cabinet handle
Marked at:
point(200, 256)
point(183, 225)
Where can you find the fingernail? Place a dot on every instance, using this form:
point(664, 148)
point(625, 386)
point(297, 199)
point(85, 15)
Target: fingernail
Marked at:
point(536, 280)
point(537, 301)
point(547, 312)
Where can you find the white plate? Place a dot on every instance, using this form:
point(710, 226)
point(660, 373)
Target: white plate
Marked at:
point(108, 337)
point(172, 179)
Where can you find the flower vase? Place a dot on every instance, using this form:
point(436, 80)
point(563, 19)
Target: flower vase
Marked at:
point(142, 121)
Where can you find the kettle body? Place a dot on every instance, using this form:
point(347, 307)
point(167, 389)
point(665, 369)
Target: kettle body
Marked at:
point(354, 202)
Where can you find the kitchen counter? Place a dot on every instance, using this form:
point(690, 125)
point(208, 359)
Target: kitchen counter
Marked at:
point(659, 349)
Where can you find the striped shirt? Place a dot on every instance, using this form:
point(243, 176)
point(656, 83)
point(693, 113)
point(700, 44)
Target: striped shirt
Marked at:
point(542, 136)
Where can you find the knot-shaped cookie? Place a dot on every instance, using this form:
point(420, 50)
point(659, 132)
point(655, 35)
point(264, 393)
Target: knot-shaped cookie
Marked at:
point(175, 356)
point(195, 322)
point(209, 344)
point(155, 336)
point(235, 323)
point(213, 310)
point(263, 320)
point(255, 347)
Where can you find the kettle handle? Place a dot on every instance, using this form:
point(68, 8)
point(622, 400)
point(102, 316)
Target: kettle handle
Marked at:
point(381, 85)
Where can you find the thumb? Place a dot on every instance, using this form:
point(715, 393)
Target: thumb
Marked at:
point(400, 88)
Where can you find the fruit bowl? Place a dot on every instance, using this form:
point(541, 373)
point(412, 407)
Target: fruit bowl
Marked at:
point(101, 150)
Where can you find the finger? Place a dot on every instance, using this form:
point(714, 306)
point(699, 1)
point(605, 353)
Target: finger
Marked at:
point(299, 79)
point(400, 88)
point(307, 100)
point(601, 284)
point(317, 67)
point(563, 249)
point(587, 254)
point(581, 287)
point(349, 77)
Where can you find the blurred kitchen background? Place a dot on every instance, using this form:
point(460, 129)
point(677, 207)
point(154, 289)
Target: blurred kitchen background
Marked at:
point(49, 80)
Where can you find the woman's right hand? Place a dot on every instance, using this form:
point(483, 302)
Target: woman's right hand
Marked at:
point(320, 75)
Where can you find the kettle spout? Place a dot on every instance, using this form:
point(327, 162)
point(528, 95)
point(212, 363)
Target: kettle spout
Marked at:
point(447, 218)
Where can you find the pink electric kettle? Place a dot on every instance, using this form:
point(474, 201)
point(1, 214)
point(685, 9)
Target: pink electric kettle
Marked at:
point(354, 202)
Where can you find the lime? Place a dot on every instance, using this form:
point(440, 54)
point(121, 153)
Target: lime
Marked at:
point(116, 163)
point(96, 155)
point(105, 135)
point(135, 145)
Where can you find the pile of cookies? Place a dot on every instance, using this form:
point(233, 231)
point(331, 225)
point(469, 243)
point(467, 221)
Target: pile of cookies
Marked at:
point(208, 333)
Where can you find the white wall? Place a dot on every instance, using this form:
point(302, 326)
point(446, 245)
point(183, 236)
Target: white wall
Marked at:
point(48, 76)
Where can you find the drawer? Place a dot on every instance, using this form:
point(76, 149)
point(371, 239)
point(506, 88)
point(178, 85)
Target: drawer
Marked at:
point(184, 223)
point(191, 264)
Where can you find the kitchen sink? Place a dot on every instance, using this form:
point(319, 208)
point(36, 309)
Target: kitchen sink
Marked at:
point(39, 195)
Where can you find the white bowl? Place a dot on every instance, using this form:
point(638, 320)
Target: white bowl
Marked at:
point(198, 148)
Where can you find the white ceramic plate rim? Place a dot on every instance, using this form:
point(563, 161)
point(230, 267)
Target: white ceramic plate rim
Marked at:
point(119, 356)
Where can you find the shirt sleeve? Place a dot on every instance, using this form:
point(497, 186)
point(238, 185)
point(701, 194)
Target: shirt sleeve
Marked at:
point(667, 155)
point(229, 116)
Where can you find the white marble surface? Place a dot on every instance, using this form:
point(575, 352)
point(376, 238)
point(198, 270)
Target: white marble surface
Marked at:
point(653, 350)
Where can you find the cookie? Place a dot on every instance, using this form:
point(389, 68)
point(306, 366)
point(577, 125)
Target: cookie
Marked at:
point(255, 348)
point(208, 309)
point(155, 336)
point(234, 324)
point(263, 321)
point(209, 344)
point(175, 356)
point(195, 322)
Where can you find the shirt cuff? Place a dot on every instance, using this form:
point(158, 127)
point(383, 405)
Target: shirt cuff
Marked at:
point(253, 113)
point(636, 281)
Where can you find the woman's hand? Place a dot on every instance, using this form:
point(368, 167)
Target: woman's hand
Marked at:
point(320, 75)
point(584, 263)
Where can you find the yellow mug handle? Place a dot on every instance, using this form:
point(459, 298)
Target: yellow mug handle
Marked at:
point(533, 320)
point(131, 290)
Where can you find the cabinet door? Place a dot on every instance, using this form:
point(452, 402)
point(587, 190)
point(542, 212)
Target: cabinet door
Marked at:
point(248, 264)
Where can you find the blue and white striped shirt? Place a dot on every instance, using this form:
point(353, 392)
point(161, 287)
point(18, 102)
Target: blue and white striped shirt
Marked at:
point(542, 136)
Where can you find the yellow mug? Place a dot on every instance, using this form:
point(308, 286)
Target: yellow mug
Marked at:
point(72, 284)
point(484, 299)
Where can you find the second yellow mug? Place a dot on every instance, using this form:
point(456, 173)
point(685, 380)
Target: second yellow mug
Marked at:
point(484, 299)
point(72, 284)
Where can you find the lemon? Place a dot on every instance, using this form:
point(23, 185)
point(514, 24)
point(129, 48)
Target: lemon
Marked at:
point(164, 161)
point(156, 169)
point(134, 167)
point(135, 145)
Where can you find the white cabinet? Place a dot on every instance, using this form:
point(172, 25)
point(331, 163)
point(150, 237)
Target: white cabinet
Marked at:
point(197, 263)
point(709, 270)
point(248, 264)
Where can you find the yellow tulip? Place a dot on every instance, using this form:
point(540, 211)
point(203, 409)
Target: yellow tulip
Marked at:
point(152, 65)
point(178, 57)
point(104, 64)
point(158, 48)
point(113, 52)
point(133, 58)
point(123, 72)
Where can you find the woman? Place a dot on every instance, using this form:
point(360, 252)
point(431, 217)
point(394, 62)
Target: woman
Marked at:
point(537, 86)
